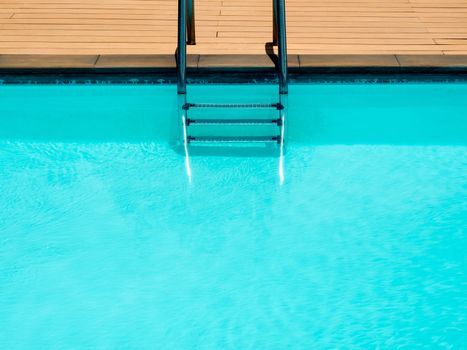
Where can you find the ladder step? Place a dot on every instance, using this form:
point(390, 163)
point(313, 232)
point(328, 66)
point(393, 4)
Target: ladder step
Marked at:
point(276, 139)
point(234, 121)
point(277, 106)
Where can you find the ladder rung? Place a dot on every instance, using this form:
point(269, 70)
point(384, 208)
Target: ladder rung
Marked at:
point(275, 139)
point(233, 105)
point(234, 121)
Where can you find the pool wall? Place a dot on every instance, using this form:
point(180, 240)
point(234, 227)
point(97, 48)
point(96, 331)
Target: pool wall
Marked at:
point(355, 113)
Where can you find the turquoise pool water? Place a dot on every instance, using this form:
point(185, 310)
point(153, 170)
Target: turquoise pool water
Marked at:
point(105, 244)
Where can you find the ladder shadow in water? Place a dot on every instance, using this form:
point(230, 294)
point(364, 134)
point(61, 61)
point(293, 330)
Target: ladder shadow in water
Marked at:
point(230, 151)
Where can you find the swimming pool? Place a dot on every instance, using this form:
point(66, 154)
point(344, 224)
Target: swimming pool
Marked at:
point(106, 244)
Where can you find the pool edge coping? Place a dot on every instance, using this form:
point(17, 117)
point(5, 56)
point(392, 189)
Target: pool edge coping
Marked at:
point(229, 69)
point(238, 63)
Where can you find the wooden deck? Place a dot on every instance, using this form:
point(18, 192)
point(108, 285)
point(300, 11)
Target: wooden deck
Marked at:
point(233, 26)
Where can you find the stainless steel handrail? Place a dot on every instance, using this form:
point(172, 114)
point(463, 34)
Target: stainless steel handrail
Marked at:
point(191, 22)
point(281, 38)
point(181, 48)
point(186, 23)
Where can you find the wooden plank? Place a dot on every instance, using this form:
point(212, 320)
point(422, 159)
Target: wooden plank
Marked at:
point(233, 26)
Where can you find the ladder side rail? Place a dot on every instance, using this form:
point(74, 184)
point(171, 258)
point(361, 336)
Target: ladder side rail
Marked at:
point(191, 22)
point(181, 48)
point(274, 22)
point(280, 30)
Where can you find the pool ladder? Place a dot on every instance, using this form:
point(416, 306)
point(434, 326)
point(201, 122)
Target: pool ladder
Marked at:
point(186, 35)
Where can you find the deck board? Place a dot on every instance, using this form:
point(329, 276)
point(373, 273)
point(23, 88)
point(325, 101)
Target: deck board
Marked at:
point(72, 27)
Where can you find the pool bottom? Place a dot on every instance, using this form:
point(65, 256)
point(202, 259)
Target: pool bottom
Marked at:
point(108, 245)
